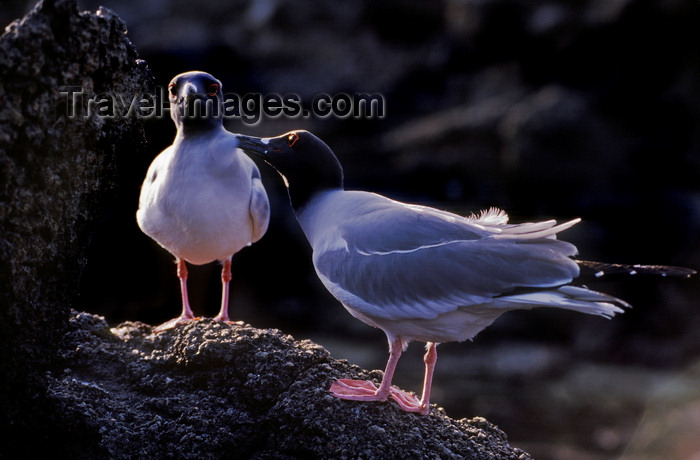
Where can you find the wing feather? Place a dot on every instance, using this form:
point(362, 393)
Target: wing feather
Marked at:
point(259, 205)
point(403, 262)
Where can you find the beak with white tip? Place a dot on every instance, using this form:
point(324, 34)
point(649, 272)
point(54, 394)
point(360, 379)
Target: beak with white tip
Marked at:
point(255, 145)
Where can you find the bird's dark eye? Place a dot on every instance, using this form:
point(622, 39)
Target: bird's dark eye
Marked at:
point(213, 89)
point(292, 139)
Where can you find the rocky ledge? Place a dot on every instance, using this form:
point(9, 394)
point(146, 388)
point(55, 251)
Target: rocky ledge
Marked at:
point(213, 390)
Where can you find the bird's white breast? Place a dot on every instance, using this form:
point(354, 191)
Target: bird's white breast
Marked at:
point(195, 199)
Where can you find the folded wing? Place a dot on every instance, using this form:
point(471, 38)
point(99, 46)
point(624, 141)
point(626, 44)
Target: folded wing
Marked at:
point(405, 261)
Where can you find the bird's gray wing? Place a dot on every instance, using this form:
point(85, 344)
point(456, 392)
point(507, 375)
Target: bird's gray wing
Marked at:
point(259, 205)
point(415, 262)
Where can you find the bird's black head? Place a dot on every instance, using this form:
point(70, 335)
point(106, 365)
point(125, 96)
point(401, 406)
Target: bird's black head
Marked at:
point(306, 163)
point(195, 100)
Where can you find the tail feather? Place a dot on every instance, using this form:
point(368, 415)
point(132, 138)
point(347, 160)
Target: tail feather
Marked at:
point(603, 268)
point(573, 298)
point(534, 230)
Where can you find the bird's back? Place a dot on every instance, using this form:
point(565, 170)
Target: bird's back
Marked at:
point(429, 275)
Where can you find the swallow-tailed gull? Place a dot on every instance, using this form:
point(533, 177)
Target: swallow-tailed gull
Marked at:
point(419, 273)
point(202, 198)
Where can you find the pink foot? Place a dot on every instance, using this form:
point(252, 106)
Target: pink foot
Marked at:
point(180, 320)
point(222, 318)
point(356, 390)
point(408, 402)
point(362, 390)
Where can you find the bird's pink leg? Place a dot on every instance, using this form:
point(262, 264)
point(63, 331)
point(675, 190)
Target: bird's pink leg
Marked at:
point(362, 390)
point(225, 280)
point(410, 403)
point(186, 314)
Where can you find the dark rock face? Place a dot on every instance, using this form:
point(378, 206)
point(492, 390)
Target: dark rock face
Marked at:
point(213, 390)
point(55, 170)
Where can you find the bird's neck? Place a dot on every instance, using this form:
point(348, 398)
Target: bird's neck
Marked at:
point(301, 193)
point(194, 130)
point(317, 212)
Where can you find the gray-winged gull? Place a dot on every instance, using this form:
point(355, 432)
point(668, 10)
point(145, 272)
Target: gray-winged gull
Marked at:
point(202, 198)
point(419, 273)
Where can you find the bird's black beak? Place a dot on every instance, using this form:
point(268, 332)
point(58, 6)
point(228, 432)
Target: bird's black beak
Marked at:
point(187, 95)
point(270, 149)
point(256, 145)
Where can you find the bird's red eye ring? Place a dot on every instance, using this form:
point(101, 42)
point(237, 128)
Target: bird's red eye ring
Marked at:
point(171, 88)
point(213, 89)
point(292, 139)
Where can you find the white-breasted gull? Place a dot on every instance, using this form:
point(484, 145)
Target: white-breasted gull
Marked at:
point(419, 273)
point(202, 198)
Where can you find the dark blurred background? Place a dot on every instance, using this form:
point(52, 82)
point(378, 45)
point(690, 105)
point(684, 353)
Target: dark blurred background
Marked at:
point(546, 109)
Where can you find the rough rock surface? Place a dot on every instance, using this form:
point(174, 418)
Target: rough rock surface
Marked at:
point(73, 388)
point(213, 390)
point(55, 171)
